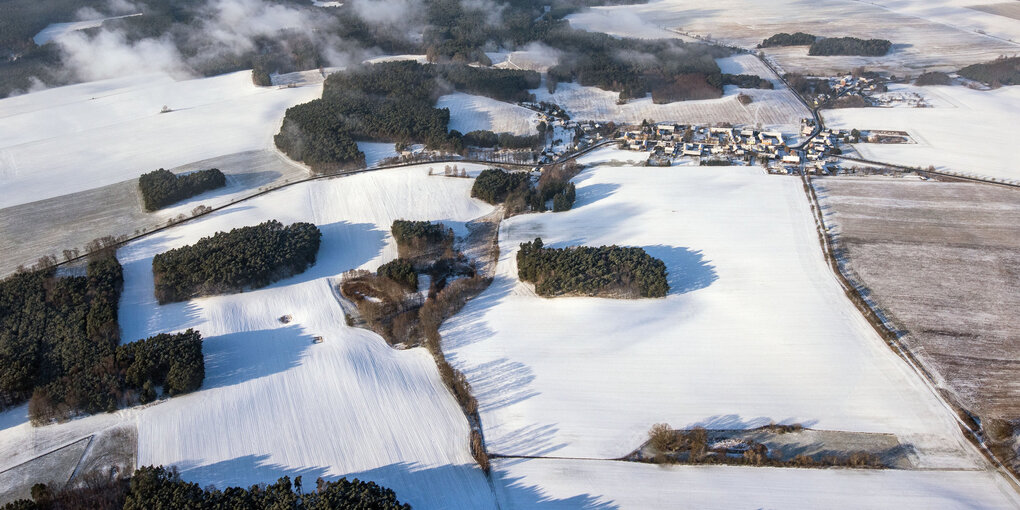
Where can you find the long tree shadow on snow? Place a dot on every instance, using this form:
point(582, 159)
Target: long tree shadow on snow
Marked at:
point(687, 270)
point(238, 357)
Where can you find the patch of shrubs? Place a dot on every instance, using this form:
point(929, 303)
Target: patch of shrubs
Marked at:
point(610, 271)
point(849, 46)
point(1001, 71)
point(493, 185)
point(515, 189)
point(785, 39)
point(933, 78)
point(747, 81)
point(159, 487)
point(161, 188)
point(422, 242)
point(401, 271)
point(246, 257)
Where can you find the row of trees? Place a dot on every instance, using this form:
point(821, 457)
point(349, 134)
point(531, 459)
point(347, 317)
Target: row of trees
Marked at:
point(161, 188)
point(246, 257)
point(488, 139)
point(159, 487)
point(609, 271)
point(785, 39)
point(849, 46)
point(747, 81)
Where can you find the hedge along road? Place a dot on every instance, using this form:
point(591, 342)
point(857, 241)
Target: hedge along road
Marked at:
point(451, 159)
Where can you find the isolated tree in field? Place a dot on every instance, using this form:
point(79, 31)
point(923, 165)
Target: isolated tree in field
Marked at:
point(662, 437)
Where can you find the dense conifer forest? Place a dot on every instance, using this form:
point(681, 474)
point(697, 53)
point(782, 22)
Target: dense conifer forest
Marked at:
point(161, 188)
point(246, 257)
point(608, 271)
point(1001, 71)
point(59, 345)
point(422, 241)
point(390, 102)
point(162, 488)
point(785, 39)
point(849, 46)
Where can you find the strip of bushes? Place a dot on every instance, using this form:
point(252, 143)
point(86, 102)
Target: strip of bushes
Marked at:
point(246, 257)
point(849, 46)
point(161, 188)
point(608, 271)
point(747, 81)
point(933, 78)
point(159, 487)
point(785, 39)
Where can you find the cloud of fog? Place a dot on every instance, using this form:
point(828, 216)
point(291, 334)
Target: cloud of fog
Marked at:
point(390, 12)
point(109, 54)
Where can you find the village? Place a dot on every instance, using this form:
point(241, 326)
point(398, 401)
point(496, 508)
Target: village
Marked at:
point(670, 143)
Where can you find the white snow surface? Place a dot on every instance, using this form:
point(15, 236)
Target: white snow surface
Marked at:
point(55, 30)
point(755, 328)
point(73, 138)
point(375, 152)
point(470, 112)
point(274, 403)
point(774, 109)
point(967, 132)
point(571, 484)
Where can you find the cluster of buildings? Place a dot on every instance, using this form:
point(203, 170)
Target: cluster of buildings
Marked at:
point(715, 145)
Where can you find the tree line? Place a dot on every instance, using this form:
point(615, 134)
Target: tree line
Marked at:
point(607, 271)
point(162, 488)
point(849, 46)
point(488, 139)
point(161, 188)
point(245, 257)
point(60, 346)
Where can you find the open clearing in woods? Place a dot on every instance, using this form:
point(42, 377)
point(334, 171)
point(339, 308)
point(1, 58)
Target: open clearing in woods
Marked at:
point(942, 260)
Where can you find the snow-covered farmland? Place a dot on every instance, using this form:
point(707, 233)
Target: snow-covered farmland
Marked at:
point(755, 329)
point(469, 113)
point(920, 37)
point(774, 109)
point(84, 136)
point(274, 403)
point(967, 132)
point(571, 484)
point(745, 63)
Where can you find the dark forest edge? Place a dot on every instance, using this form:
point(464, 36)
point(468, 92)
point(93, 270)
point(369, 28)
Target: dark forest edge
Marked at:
point(605, 271)
point(161, 188)
point(159, 487)
point(998, 72)
point(244, 258)
point(785, 39)
point(60, 346)
point(849, 46)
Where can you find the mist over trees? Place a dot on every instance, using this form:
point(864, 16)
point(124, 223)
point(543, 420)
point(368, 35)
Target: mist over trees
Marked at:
point(244, 258)
point(607, 271)
point(161, 188)
point(849, 46)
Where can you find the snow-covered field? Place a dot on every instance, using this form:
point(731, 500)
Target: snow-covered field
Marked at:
point(755, 329)
point(274, 403)
point(469, 113)
point(79, 137)
point(968, 131)
point(571, 484)
point(774, 109)
point(377, 151)
point(745, 63)
point(937, 34)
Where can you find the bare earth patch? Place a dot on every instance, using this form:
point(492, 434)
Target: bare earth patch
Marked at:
point(942, 261)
